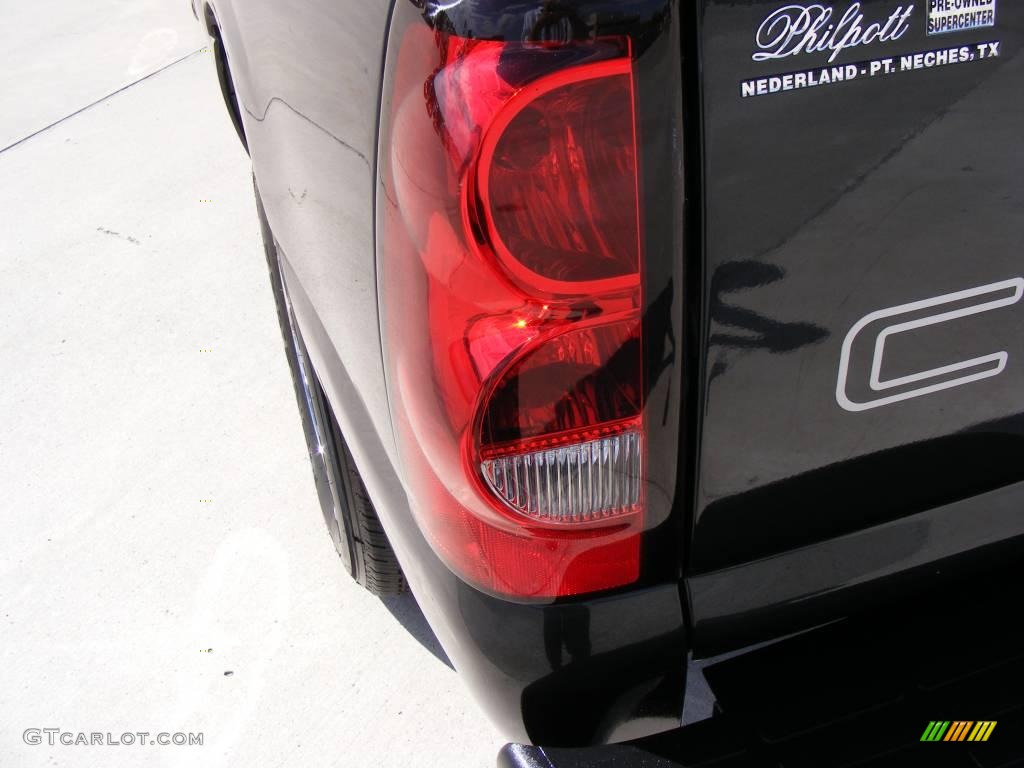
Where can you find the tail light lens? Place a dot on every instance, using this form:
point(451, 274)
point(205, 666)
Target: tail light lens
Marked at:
point(557, 181)
point(511, 290)
point(570, 482)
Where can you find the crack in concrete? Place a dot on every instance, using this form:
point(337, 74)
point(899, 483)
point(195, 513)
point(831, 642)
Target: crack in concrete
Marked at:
point(104, 98)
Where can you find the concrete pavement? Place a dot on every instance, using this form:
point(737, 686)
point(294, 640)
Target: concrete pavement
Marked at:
point(156, 495)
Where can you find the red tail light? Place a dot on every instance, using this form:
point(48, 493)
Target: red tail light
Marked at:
point(511, 272)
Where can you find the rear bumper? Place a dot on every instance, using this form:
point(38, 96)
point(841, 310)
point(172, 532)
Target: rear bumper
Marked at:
point(577, 673)
point(857, 693)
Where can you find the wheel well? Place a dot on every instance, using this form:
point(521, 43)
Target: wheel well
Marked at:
point(227, 85)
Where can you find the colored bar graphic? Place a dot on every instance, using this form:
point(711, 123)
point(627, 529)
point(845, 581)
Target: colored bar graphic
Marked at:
point(984, 729)
point(935, 730)
point(958, 730)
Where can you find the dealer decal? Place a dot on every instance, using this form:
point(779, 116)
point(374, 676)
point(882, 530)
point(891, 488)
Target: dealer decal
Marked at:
point(810, 78)
point(801, 30)
point(798, 29)
point(958, 15)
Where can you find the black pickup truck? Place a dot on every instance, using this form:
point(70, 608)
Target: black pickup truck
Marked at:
point(631, 332)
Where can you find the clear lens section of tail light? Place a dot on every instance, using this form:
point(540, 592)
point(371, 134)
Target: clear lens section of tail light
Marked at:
point(577, 483)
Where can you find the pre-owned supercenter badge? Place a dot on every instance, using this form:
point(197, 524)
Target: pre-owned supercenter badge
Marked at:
point(958, 15)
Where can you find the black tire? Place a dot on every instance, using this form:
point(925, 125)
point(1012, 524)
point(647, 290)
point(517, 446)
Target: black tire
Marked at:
point(351, 519)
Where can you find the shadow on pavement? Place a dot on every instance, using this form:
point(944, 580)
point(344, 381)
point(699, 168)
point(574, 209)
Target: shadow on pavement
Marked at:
point(405, 609)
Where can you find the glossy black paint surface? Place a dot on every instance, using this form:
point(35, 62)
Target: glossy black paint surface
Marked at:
point(821, 206)
point(890, 564)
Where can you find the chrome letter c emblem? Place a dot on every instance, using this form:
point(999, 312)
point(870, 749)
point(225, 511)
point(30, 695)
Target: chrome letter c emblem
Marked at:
point(974, 369)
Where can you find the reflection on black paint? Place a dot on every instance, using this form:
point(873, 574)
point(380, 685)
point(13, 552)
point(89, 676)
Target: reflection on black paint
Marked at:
point(764, 332)
point(858, 493)
point(553, 23)
point(646, 21)
point(660, 344)
point(568, 631)
point(635, 678)
point(750, 329)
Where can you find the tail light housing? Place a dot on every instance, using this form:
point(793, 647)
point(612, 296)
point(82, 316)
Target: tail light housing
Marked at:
point(511, 266)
